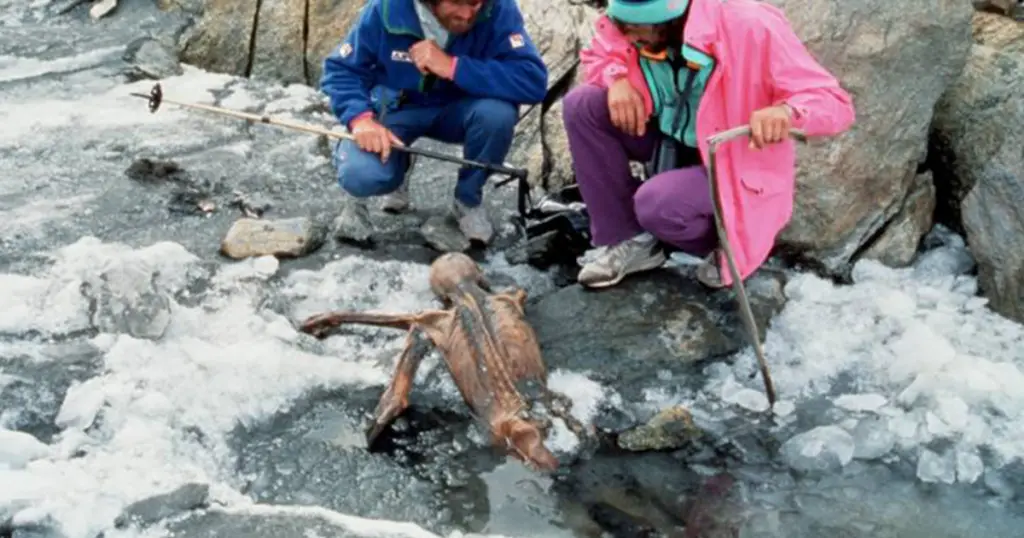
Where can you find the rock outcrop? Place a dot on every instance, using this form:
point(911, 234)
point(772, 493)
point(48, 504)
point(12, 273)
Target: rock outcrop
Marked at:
point(896, 60)
point(979, 126)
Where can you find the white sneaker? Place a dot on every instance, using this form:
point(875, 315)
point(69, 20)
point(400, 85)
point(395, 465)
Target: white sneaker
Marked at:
point(398, 201)
point(473, 222)
point(607, 268)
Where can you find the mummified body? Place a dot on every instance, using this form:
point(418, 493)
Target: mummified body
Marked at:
point(489, 348)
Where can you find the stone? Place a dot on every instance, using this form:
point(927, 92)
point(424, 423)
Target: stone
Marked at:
point(999, 33)
point(659, 320)
point(329, 23)
point(979, 125)
point(670, 429)
point(279, 49)
point(899, 242)
point(102, 9)
point(442, 233)
point(851, 186)
point(148, 58)
point(294, 237)
point(220, 39)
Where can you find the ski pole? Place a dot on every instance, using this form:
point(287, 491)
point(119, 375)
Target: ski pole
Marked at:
point(156, 98)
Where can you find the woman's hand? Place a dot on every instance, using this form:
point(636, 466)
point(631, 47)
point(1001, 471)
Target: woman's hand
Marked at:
point(769, 126)
point(626, 107)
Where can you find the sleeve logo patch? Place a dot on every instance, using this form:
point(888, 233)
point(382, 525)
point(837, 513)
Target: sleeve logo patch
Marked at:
point(345, 50)
point(400, 56)
point(517, 41)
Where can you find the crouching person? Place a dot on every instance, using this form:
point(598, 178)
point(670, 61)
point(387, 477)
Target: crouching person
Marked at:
point(661, 77)
point(451, 70)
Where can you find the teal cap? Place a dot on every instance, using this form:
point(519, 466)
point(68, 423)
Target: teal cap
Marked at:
point(646, 11)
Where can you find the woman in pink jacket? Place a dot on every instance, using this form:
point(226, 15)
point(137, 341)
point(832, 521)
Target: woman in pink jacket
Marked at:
point(661, 77)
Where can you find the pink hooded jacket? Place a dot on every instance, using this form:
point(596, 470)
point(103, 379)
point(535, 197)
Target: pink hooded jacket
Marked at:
point(760, 62)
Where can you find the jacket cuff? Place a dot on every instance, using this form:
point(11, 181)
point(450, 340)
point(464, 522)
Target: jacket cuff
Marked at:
point(368, 113)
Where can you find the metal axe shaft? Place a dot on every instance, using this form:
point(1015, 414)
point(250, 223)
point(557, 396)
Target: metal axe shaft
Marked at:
point(746, 313)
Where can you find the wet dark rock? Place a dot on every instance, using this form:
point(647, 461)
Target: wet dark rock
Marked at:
point(661, 320)
point(647, 494)
point(154, 171)
point(158, 507)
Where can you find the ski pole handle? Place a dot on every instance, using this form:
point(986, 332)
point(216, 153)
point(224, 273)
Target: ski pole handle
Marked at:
point(744, 130)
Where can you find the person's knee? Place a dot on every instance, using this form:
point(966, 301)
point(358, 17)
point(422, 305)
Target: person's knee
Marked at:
point(493, 117)
point(583, 104)
point(649, 210)
point(362, 174)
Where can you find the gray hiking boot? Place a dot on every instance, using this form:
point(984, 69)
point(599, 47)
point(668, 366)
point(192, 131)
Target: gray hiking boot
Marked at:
point(398, 201)
point(608, 267)
point(473, 222)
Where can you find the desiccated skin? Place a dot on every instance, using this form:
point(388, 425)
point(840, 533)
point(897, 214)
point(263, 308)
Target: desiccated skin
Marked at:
point(489, 348)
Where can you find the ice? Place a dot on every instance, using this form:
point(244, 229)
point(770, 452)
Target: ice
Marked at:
point(14, 68)
point(912, 345)
point(872, 438)
point(933, 467)
point(586, 395)
point(217, 365)
point(821, 449)
point(969, 466)
point(861, 402)
point(18, 449)
point(750, 399)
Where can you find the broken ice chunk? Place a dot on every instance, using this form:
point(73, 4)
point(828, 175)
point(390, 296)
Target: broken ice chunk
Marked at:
point(861, 402)
point(932, 467)
point(82, 404)
point(872, 438)
point(19, 448)
point(968, 465)
point(822, 449)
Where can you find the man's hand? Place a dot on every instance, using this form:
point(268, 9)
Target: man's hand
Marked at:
point(769, 126)
point(429, 58)
point(626, 107)
point(371, 136)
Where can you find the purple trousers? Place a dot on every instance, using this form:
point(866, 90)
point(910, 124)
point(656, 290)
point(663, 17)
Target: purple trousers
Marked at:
point(674, 206)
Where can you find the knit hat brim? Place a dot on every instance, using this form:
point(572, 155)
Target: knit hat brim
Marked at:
point(650, 12)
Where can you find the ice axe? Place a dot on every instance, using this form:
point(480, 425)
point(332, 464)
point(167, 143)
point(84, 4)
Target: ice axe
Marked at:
point(156, 98)
point(737, 283)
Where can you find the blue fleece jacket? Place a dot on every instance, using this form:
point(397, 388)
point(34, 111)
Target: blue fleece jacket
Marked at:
point(496, 59)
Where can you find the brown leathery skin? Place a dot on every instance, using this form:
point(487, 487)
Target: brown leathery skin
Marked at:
point(489, 349)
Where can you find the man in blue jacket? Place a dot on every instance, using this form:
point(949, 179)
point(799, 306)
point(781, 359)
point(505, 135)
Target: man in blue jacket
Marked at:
point(451, 70)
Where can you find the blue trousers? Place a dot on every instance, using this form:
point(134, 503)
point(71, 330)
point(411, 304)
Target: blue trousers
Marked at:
point(482, 126)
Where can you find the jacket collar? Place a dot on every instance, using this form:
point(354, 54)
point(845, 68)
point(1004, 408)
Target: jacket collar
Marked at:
point(400, 16)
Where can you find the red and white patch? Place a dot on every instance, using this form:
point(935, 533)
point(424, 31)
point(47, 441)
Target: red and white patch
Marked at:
point(516, 40)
